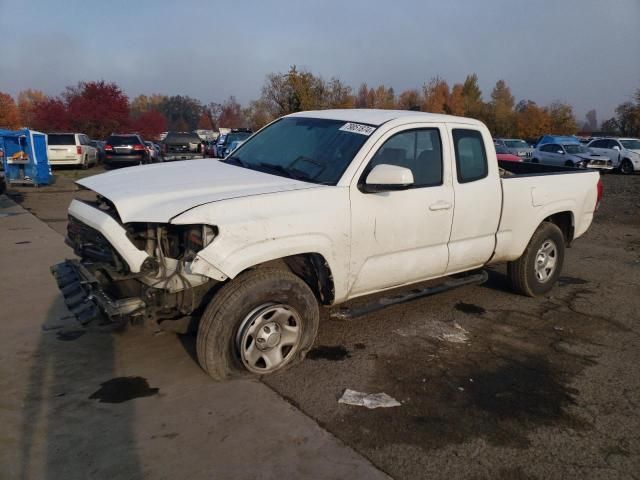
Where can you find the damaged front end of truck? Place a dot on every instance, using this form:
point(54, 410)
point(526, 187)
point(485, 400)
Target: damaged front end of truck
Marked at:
point(146, 273)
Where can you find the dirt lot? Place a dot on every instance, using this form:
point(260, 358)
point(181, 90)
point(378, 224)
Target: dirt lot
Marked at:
point(492, 385)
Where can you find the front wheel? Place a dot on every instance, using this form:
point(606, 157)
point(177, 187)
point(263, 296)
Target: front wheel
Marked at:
point(539, 267)
point(626, 167)
point(259, 323)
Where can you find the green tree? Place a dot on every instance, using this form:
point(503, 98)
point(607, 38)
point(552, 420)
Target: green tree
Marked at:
point(502, 114)
point(472, 97)
point(182, 112)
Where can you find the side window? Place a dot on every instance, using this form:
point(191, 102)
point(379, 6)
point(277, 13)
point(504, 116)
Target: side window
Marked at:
point(545, 148)
point(597, 144)
point(612, 143)
point(471, 157)
point(418, 150)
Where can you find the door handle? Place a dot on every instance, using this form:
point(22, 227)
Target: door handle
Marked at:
point(440, 206)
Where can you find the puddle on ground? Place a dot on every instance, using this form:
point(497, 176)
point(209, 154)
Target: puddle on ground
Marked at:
point(123, 389)
point(325, 352)
point(564, 281)
point(470, 308)
point(70, 335)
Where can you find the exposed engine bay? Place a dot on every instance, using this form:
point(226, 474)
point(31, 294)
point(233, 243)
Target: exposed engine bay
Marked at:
point(165, 284)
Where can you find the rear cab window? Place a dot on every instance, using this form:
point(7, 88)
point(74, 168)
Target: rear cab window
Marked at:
point(471, 156)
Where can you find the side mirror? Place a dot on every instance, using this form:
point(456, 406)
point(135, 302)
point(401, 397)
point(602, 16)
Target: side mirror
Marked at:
point(385, 178)
point(616, 147)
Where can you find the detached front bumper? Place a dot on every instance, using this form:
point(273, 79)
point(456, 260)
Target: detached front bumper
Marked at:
point(85, 297)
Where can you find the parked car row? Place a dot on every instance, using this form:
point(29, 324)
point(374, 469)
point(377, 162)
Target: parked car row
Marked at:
point(611, 153)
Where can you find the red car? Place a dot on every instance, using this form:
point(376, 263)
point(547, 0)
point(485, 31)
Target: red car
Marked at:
point(503, 154)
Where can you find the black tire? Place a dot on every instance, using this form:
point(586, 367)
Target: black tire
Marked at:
point(626, 167)
point(85, 163)
point(217, 343)
point(522, 273)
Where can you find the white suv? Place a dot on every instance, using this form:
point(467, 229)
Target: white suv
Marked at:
point(624, 153)
point(71, 149)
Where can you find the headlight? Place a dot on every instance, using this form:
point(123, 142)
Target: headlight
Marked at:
point(197, 237)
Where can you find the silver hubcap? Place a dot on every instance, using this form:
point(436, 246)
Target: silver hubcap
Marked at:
point(269, 337)
point(546, 260)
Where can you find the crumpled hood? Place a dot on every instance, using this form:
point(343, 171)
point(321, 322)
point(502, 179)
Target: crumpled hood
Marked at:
point(159, 192)
point(591, 156)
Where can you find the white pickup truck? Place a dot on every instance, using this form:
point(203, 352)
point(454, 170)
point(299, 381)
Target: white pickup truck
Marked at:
point(314, 209)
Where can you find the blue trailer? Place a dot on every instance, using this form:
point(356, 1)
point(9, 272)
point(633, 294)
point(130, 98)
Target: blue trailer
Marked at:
point(24, 157)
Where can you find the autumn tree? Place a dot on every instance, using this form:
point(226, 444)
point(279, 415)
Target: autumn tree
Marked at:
point(337, 95)
point(257, 115)
point(436, 95)
point(562, 121)
point(143, 103)
point(455, 102)
point(51, 115)
point(204, 122)
point(531, 121)
point(28, 101)
point(149, 124)
point(410, 100)
point(502, 102)
point(230, 114)
point(9, 114)
point(363, 100)
point(97, 108)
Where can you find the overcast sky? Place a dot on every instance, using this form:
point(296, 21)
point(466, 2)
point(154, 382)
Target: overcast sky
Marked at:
point(585, 52)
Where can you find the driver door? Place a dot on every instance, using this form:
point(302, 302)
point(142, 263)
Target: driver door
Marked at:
point(401, 237)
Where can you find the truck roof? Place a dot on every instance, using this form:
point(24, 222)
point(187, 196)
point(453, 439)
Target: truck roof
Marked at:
point(378, 117)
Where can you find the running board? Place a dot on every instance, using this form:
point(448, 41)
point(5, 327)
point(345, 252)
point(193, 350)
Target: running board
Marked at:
point(346, 313)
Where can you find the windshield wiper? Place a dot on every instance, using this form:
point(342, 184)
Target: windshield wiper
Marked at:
point(237, 161)
point(289, 173)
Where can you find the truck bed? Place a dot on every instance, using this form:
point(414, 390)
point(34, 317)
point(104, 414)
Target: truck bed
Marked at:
point(532, 192)
point(522, 169)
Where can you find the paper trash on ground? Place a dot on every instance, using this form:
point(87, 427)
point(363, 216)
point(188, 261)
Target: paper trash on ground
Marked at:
point(369, 400)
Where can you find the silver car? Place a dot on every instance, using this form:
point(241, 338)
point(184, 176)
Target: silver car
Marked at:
point(515, 146)
point(570, 155)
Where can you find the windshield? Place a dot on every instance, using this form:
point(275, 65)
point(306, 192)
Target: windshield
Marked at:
point(61, 139)
point(574, 148)
point(309, 149)
point(516, 144)
point(633, 144)
point(501, 149)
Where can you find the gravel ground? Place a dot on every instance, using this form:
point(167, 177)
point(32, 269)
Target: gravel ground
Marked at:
point(492, 385)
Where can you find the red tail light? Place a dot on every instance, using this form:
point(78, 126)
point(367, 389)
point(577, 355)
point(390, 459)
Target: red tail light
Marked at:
point(138, 147)
point(78, 149)
point(600, 189)
point(108, 148)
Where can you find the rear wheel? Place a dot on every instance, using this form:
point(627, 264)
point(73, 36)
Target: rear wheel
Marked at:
point(626, 167)
point(85, 163)
point(259, 323)
point(539, 267)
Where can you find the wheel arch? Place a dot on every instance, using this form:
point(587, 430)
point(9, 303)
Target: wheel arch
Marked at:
point(565, 222)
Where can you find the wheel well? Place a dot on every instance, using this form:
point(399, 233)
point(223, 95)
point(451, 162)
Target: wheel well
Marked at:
point(313, 269)
point(564, 221)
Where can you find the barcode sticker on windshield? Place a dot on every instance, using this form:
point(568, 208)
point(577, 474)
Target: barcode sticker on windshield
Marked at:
point(358, 128)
